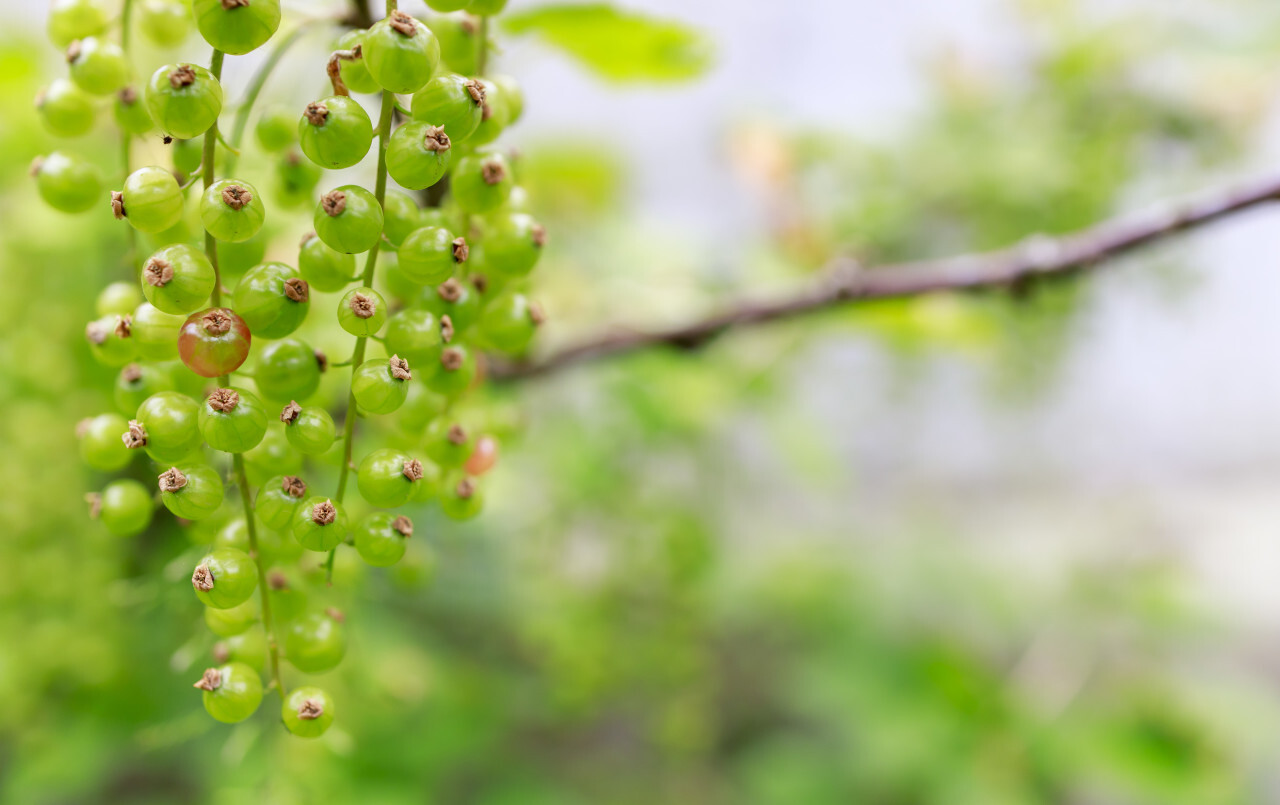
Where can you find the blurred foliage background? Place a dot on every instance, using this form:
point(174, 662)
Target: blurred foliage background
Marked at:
point(682, 592)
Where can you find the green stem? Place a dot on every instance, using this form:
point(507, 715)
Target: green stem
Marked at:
point(207, 172)
point(126, 139)
point(256, 84)
point(482, 58)
point(126, 24)
point(370, 268)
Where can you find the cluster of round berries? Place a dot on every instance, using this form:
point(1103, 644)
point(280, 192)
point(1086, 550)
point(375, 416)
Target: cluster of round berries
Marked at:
point(454, 291)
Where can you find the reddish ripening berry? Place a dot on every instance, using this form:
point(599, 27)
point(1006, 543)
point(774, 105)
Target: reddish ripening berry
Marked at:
point(483, 457)
point(214, 342)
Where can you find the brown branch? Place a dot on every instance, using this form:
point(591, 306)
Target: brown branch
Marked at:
point(1035, 258)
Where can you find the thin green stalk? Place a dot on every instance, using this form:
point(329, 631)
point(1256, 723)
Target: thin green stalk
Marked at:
point(126, 139)
point(482, 58)
point(256, 84)
point(207, 175)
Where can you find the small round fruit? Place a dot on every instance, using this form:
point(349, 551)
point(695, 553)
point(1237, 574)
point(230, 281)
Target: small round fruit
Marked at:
point(232, 621)
point(232, 210)
point(165, 22)
point(68, 183)
point(494, 117)
point(349, 219)
point(75, 19)
point(319, 524)
point(151, 200)
point(380, 538)
point(415, 335)
point(287, 370)
point(295, 180)
point(353, 71)
point(167, 425)
point(512, 97)
point(486, 7)
point(100, 444)
point(459, 37)
point(224, 578)
point(214, 342)
point(273, 457)
point(386, 477)
point(191, 491)
point(430, 255)
point(310, 430)
point(155, 333)
point(178, 279)
point(276, 130)
point(323, 267)
point(335, 132)
point(362, 311)
point(381, 386)
point(187, 154)
point(446, 6)
point(184, 100)
point(481, 183)
point(401, 53)
point(457, 371)
point(278, 500)
point(513, 244)
point(232, 692)
point(98, 66)
point(248, 647)
point(232, 420)
point(462, 498)
point(111, 340)
point(418, 155)
point(236, 26)
point(509, 323)
point(315, 643)
point(460, 301)
point(402, 216)
point(136, 382)
point(131, 113)
point(453, 102)
point(125, 507)
point(448, 443)
point(273, 299)
point(307, 712)
point(65, 109)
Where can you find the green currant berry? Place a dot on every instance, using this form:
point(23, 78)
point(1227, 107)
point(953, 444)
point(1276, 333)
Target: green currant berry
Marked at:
point(400, 53)
point(418, 155)
point(296, 180)
point(335, 132)
point(386, 477)
point(232, 692)
point(125, 508)
point(453, 102)
point(324, 268)
point(65, 109)
point(483, 457)
point(151, 200)
point(381, 386)
point(420, 408)
point(494, 117)
point(136, 382)
point(184, 100)
point(224, 578)
point(447, 5)
point(460, 301)
point(155, 333)
point(248, 647)
point(287, 603)
point(430, 255)
point(486, 7)
point(165, 22)
point(402, 216)
point(512, 96)
point(415, 335)
point(167, 425)
point(307, 712)
point(362, 311)
point(232, 210)
point(178, 279)
point(310, 430)
point(355, 74)
point(111, 340)
point(481, 183)
point(98, 67)
point(235, 534)
point(75, 19)
point(214, 342)
point(380, 538)
point(315, 643)
point(236, 258)
point(462, 498)
point(273, 300)
point(391, 280)
point(349, 219)
point(232, 420)
point(118, 299)
point(319, 524)
point(459, 37)
point(236, 26)
point(509, 323)
point(100, 444)
point(131, 113)
point(276, 130)
point(456, 372)
point(187, 154)
point(448, 443)
point(192, 492)
point(232, 620)
point(288, 370)
point(272, 458)
point(428, 488)
point(68, 183)
point(278, 500)
point(512, 244)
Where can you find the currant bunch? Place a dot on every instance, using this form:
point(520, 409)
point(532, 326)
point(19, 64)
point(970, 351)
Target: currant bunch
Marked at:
point(219, 414)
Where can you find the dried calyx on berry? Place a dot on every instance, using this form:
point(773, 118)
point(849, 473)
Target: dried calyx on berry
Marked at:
point(224, 400)
point(216, 322)
point(317, 113)
point(158, 272)
point(457, 434)
point(435, 139)
point(476, 90)
point(403, 24)
point(493, 171)
point(236, 197)
point(172, 479)
point(117, 204)
point(334, 203)
point(450, 290)
point(131, 373)
point(202, 578)
point(403, 526)
point(211, 681)
point(363, 305)
point(460, 250)
point(296, 487)
point(324, 513)
point(124, 326)
point(290, 413)
point(278, 580)
point(413, 469)
point(399, 368)
point(136, 436)
point(452, 358)
point(310, 710)
point(446, 328)
point(466, 488)
point(182, 76)
point(296, 289)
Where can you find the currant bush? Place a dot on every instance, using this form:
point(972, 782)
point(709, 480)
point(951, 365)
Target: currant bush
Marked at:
point(216, 381)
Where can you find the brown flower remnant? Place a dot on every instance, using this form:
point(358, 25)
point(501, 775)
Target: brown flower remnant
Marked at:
point(403, 525)
point(460, 250)
point(493, 171)
point(211, 681)
point(363, 305)
point(310, 710)
point(158, 272)
point(182, 76)
point(290, 412)
point(413, 469)
point(172, 479)
point(403, 24)
point(297, 290)
point(324, 513)
point(224, 400)
point(216, 322)
point(399, 368)
point(236, 197)
point(136, 436)
point(451, 359)
point(295, 487)
point(334, 203)
point(202, 578)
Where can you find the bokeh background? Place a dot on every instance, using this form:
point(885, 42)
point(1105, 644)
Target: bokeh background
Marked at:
point(955, 550)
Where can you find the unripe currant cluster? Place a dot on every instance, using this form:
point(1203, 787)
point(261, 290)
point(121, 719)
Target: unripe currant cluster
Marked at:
point(215, 388)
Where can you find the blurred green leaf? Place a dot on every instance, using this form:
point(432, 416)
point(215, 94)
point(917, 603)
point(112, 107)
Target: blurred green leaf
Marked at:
point(616, 44)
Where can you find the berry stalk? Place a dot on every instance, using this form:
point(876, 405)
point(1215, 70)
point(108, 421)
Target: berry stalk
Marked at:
point(256, 84)
point(206, 170)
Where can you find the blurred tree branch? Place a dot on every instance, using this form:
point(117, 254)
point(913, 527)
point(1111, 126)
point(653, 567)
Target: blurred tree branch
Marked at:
point(845, 282)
